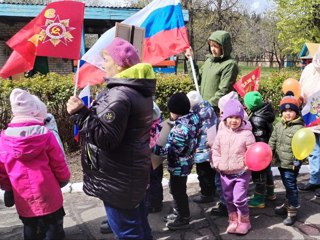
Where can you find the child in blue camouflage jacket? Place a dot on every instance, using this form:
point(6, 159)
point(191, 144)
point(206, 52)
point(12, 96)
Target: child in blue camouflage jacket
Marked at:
point(179, 150)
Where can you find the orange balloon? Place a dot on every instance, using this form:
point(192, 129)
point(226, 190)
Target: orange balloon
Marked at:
point(292, 85)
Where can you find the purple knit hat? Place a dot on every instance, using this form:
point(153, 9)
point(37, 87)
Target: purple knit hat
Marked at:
point(232, 108)
point(123, 53)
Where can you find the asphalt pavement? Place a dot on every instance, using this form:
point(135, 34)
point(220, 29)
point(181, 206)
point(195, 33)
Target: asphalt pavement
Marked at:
point(84, 214)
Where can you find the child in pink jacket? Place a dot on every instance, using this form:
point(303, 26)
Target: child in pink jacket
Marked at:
point(228, 157)
point(34, 168)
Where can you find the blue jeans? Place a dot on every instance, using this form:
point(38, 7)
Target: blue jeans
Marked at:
point(314, 162)
point(289, 180)
point(129, 223)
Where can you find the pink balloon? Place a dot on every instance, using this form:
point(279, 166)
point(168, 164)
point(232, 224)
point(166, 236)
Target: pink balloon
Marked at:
point(258, 156)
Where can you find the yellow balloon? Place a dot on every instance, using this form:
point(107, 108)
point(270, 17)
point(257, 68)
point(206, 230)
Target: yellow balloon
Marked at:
point(303, 143)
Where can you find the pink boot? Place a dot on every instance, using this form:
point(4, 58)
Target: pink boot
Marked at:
point(243, 225)
point(233, 222)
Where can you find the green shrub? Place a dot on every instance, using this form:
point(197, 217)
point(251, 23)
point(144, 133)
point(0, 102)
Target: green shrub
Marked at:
point(167, 84)
point(271, 88)
point(55, 90)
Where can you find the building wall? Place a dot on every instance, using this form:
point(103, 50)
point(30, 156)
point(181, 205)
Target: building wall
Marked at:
point(59, 65)
point(62, 66)
point(7, 31)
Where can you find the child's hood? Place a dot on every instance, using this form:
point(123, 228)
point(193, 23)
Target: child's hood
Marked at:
point(224, 39)
point(25, 142)
point(204, 110)
point(190, 119)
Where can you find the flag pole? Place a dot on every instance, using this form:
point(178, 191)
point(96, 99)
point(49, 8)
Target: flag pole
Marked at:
point(77, 79)
point(194, 74)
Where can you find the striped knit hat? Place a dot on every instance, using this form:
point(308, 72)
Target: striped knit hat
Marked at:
point(289, 102)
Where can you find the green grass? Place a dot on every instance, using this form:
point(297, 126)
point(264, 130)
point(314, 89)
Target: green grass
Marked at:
point(265, 71)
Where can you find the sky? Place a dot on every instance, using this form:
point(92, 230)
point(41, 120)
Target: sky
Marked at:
point(258, 6)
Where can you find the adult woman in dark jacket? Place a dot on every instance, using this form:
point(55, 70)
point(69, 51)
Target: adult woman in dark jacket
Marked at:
point(115, 150)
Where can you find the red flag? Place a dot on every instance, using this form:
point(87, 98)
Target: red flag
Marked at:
point(248, 83)
point(55, 32)
point(24, 49)
point(17, 64)
point(61, 30)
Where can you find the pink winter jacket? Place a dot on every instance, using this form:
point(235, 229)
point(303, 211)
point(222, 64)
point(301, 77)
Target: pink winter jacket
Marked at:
point(230, 147)
point(35, 165)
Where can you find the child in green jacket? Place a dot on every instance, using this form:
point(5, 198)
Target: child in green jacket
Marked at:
point(219, 72)
point(289, 166)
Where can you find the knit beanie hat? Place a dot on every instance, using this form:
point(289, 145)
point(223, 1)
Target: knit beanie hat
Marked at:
point(26, 107)
point(179, 104)
point(253, 100)
point(232, 108)
point(194, 98)
point(156, 112)
point(123, 53)
point(222, 101)
point(43, 111)
point(289, 102)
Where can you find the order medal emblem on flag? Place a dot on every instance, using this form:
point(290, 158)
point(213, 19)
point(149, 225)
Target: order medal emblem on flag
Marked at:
point(60, 30)
point(42, 37)
point(56, 30)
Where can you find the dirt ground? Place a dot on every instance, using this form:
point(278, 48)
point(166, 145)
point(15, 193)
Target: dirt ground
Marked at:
point(74, 164)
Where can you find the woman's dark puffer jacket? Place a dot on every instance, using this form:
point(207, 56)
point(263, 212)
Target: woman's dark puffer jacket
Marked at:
point(115, 142)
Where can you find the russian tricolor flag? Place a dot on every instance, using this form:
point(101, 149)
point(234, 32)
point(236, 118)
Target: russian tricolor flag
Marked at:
point(165, 35)
point(311, 111)
point(84, 95)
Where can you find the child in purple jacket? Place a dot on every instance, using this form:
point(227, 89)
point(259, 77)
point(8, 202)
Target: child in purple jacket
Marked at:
point(34, 168)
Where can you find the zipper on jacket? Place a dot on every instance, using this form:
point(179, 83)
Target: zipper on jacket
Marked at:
point(89, 156)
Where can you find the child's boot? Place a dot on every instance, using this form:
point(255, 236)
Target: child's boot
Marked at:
point(233, 222)
point(258, 201)
point(243, 224)
point(282, 209)
point(270, 193)
point(179, 223)
point(291, 216)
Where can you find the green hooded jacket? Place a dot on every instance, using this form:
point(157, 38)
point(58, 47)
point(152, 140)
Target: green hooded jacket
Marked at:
point(218, 74)
point(280, 142)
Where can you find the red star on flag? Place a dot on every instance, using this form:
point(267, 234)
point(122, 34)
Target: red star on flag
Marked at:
point(56, 31)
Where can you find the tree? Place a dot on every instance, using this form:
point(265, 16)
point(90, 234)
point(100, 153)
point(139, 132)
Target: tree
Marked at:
point(207, 16)
point(299, 22)
point(273, 47)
